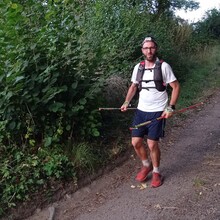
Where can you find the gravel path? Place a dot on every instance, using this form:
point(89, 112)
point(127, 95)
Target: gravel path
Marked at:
point(190, 165)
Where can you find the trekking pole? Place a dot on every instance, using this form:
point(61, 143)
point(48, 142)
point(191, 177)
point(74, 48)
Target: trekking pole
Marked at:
point(110, 109)
point(190, 107)
point(157, 119)
point(146, 123)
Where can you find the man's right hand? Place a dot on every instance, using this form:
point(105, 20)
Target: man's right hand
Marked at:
point(124, 106)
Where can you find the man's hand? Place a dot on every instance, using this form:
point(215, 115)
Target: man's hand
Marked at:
point(168, 112)
point(125, 106)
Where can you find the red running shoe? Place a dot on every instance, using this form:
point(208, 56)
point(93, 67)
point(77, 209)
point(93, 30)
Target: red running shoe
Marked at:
point(142, 175)
point(156, 180)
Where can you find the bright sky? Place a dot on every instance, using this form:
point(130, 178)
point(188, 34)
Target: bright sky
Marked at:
point(196, 15)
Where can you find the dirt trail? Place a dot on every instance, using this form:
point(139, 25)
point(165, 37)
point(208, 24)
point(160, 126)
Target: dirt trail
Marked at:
point(191, 190)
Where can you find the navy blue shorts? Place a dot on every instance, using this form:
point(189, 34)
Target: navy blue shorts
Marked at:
point(154, 130)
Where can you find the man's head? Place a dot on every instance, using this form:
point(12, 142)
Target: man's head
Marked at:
point(151, 39)
point(149, 48)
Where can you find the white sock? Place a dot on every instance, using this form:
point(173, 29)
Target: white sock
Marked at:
point(146, 163)
point(156, 170)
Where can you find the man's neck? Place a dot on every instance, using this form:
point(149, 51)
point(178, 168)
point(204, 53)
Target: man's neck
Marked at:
point(149, 63)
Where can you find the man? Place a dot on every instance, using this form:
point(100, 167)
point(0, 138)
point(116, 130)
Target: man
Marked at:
point(152, 103)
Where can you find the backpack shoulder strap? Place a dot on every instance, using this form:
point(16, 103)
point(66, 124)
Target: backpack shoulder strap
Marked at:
point(158, 76)
point(158, 62)
point(140, 71)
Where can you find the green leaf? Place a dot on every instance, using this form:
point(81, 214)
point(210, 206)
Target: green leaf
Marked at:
point(12, 125)
point(14, 6)
point(68, 127)
point(95, 133)
point(34, 162)
point(33, 46)
point(55, 107)
point(82, 101)
point(36, 56)
point(47, 141)
point(19, 78)
point(74, 85)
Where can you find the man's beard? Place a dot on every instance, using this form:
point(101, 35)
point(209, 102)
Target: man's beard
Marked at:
point(151, 58)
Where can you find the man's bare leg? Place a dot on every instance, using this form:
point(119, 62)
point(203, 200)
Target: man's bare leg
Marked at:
point(154, 152)
point(141, 152)
point(155, 158)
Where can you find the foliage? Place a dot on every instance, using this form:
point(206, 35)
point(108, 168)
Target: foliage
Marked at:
point(49, 93)
point(166, 8)
point(209, 27)
point(84, 157)
point(52, 69)
point(203, 77)
point(22, 172)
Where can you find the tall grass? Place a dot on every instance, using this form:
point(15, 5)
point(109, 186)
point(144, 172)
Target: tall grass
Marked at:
point(203, 77)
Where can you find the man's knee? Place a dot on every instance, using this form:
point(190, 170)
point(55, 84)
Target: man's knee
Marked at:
point(153, 145)
point(137, 143)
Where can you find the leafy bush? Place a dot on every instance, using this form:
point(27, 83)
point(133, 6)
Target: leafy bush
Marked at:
point(22, 172)
point(48, 92)
point(209, 27)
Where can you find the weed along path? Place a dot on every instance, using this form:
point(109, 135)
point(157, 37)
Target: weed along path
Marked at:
point(190, 165)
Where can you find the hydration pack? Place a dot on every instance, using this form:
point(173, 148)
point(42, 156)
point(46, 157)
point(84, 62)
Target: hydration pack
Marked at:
point(158, 78)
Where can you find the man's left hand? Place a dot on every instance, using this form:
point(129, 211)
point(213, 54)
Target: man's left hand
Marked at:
point(168, 112)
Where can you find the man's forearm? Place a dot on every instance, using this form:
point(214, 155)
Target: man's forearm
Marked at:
point(131, 92)
point(175, 94)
